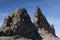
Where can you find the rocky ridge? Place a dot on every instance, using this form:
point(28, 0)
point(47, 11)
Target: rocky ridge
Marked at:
point(18, 26)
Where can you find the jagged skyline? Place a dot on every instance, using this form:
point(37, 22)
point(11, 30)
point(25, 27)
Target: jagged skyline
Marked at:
point(50, 8)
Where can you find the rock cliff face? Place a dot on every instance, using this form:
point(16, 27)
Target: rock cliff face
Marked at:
point(18, 26)
point(41, 22)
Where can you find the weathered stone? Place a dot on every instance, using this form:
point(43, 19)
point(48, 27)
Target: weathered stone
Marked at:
point(18, 26)
point(52, 30)
point(6, 38)
point(19, 23)
point(41, 22)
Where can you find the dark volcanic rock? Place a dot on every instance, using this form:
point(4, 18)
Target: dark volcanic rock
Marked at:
point(19, 23)
point(41, 22)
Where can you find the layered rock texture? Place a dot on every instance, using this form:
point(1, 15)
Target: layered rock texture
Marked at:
point(18, 26)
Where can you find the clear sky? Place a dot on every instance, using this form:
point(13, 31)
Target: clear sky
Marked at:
point(50, 8)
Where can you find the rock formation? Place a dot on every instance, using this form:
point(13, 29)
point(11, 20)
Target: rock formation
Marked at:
point(18, 26)
point(19, 23)
point(41, 22)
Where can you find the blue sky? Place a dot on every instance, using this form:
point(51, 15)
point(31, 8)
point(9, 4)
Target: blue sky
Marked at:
point(50, 8)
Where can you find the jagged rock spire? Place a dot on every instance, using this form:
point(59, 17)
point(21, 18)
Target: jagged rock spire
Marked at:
point(41, 22)
point(37, 16)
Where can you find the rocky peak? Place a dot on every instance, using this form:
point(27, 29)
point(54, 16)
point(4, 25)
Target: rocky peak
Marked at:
point(38, 11)
point(37, 16)
point(19, 23)
point(41, 22)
